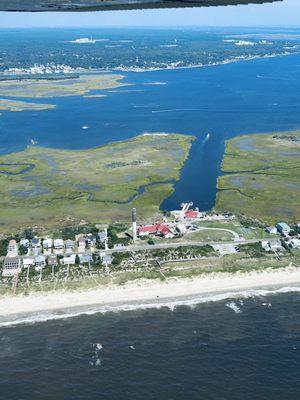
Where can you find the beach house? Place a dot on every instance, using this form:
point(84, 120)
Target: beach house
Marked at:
point(11, 266)
point(283, 228)
point(40, 262)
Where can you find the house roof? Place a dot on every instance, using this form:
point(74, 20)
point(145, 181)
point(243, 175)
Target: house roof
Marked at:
point(58, 241)
point(11, 260)
point(190, 214)
point(270, 227)
point(52, 260)
point(69, 242)
point(28, 260)
point(162, 228)
point(40, 258)
point(85, 257)
point(283, 225)
point(148, 228)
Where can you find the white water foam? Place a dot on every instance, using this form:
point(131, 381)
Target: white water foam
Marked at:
point(172, 304)
point(234, 307)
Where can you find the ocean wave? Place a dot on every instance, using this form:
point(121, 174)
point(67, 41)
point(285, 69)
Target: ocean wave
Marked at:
point(171, 304)
point(234, 307)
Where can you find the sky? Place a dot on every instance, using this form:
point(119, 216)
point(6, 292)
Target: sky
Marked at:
point(286, 13)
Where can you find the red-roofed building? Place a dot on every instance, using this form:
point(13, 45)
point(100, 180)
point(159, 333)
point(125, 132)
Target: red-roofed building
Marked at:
point(147, 230)
point(156, 229)
point(191, 214)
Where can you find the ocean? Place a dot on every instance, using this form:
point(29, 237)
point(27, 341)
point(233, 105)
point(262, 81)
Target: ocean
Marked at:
point(245, 347)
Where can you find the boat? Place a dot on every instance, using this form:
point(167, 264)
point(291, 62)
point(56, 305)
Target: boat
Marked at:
point(84, 40)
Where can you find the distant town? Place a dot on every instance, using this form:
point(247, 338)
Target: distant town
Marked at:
point(34, 258)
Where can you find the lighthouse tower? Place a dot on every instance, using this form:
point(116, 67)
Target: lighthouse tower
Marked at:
point(133, 219)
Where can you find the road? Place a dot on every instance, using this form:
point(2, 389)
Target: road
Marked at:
point(173, 245)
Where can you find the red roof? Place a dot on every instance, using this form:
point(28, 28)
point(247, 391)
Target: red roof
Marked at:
point(191, 214)
point(162, 228)
point(147, 229)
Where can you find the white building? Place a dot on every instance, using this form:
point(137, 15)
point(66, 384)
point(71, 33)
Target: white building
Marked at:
point(294, 243)
point(40, 262)
point(69, 260)
point(271, 245)
point(11, 266)
point(70, 245)
point(48, 244)
point(272, 230)
point(12, 246)
point(181, 229)
point(59, 246)
point(28, 262)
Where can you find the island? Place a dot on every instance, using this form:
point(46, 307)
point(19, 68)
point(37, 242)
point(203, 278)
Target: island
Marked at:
point(17, 105)
point(53, 187)
point(83, 85)
point(261, 177)
point(76, 86)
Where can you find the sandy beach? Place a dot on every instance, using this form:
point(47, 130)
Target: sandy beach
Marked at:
point(146, 291)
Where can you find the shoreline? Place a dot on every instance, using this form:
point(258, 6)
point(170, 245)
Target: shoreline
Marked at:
point(145, 294)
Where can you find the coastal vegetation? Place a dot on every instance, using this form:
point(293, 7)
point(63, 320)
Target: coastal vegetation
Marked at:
point(98, 185)
point(160, 265)
point(18, 105)
point(262, 177)
point(77, 86)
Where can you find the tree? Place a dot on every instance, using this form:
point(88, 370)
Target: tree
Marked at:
point(23, 250)
point(28, 234)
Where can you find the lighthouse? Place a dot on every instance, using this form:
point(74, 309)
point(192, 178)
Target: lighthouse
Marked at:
point(133, 219)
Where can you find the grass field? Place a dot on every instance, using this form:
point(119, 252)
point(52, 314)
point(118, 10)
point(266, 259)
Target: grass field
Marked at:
point(236, 263)
point(53, 187)
point(205, 235)
point(262, 177)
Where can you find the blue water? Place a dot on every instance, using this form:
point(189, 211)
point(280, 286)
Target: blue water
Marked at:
point(231, 350)
point(224, 101)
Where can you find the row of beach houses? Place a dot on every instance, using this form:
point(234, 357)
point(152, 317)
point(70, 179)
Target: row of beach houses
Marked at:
point(52, 252)
point(283, 229)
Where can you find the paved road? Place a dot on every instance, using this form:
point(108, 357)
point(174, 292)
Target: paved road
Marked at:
point(173, 245)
